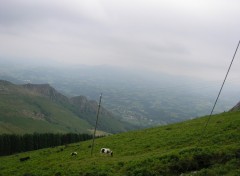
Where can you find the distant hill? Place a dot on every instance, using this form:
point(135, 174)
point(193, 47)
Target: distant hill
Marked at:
point(236, 107)
point(138, 97)
point(32, 108)
point(171, 150)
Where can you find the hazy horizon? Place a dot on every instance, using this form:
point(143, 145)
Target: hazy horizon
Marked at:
point(186, 38)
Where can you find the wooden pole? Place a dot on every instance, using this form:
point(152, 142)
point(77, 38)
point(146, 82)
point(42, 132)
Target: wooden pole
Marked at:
point(99, 105)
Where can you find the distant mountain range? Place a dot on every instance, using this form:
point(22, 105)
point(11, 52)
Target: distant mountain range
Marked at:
point(32, 108)
point(139, 97)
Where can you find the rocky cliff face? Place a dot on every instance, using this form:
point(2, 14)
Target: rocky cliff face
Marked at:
point(88, 106)
point(47, 91)
point(44, 103)
point(83, 104)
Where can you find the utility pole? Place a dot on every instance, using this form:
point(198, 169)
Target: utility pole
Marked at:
point(99, 105)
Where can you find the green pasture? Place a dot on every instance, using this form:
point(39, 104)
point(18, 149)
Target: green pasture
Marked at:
point(175, 149)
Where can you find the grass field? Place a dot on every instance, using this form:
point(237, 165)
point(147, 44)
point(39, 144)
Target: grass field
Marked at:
point(168, 150)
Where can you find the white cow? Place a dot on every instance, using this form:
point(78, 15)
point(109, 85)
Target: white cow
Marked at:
point(74, 154)
point(106, 151)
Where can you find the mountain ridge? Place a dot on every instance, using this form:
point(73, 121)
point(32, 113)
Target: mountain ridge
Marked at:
point(44, 104)
point(138, 97)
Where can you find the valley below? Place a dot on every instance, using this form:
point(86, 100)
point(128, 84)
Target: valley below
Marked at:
point(154, 127)
point(142, 99)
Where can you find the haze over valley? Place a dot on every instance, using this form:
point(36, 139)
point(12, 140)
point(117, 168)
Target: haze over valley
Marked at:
point(142, 98)
point(156, 62)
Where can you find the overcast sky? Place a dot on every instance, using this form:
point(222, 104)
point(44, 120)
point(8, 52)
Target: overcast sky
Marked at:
point(184, 37)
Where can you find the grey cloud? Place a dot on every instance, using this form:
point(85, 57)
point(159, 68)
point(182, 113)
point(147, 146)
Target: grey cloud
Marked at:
point(176, 36)
point(14, 12)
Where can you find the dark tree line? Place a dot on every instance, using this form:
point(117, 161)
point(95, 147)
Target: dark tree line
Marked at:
point(12, 143)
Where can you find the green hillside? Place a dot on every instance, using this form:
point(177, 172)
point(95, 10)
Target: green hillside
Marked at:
point(40, 108)
point(167, 150)
point(24, 112)
point(138, 97)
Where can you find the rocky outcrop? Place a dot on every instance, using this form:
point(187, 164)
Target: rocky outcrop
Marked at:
point(43, 103)
point(47, 91)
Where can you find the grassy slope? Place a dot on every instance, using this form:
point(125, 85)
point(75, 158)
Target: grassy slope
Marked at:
point(166, 150)
point(16, 116)
point(40, 108)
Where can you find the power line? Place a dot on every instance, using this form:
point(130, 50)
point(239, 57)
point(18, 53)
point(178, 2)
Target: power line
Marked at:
point(205, 127)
